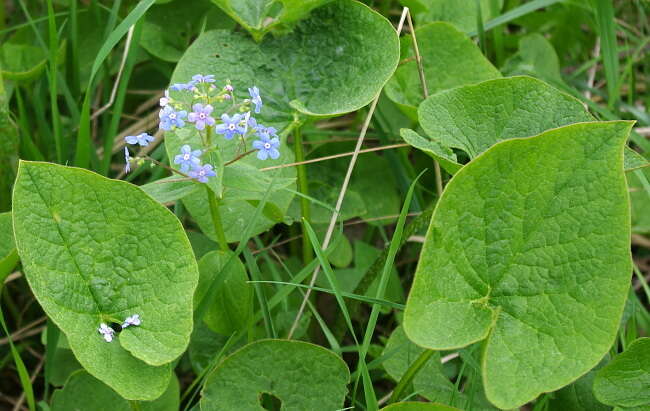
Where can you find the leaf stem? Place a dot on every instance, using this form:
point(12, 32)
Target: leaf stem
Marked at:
point(216, 219)
point(408, 376)
point(303, 188)
point(239, 157)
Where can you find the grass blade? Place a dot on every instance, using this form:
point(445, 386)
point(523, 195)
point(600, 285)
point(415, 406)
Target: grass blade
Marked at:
point(605, 16)
point(25, 381)
point(52, 75)
point(515, 14)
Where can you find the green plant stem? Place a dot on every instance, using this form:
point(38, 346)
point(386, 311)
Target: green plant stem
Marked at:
point(303, 188)
point(408, 376)
point(216, 219)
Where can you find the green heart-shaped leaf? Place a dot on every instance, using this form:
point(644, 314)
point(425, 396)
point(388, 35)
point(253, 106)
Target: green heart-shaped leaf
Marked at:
point(334, 62)
point(439, 152)
point(475, 117)
point(536, 57)
point(529, 250)
point(461, 14)
point(418, 406)
point(261, 16)
point(625, 381)
point(82, 391)
point(96, 251)
point(449, 59)
point(302, 376)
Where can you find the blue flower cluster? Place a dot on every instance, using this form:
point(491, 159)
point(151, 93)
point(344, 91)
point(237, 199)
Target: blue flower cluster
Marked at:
point(237, 122)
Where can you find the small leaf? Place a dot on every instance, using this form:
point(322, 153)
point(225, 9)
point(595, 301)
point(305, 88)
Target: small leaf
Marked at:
point(634, 160)
point(21, 59)
point(231, 308)
point(441, 153)
point(301, 375)
point(536, 57)
point(261, 16)
point(463, 15)
point(167, 190)
point(82, 391)
point(625, 381)
point(8, 151)
point(449, 58)
point(529, 249)
point(8, 253)
point(579, 395)
point(97, 250)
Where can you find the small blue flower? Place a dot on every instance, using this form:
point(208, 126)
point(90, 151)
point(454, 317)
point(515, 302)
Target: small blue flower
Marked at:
point(199, 78)
point(202, 173)
point(230, 126)
point(201, 116)
point(267, 146)
point(170, 118)
point(132, 320)
point(182, 86)
point(127, 159)
point(188, 158)
point(165, 100)
point(106, 332)
point(255, 98)
point(142, 139)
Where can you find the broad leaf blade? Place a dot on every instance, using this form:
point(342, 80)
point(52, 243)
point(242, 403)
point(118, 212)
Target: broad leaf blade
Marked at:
point(282, 368)
point(8, 254)
point(529, 248)
point(97, 250)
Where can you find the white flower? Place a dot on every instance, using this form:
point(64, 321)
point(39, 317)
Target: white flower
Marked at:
point(132, 320)
point(106, 331)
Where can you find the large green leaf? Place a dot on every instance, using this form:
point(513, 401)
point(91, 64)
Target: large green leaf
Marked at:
point(462, 14)
point(474, 117)
point(625, 381)
point(261, 16)
point(449, 59)
point(83, 392)
point(334, 62)
point(8, 253)
point(301, 375)
point(232, 303)
point(97, 250)
point(528, 249)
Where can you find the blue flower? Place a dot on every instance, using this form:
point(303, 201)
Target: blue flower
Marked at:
point(142, 139)
point(127, 159)
point(202, 173)
point(188, 158)
point(255, 98)
point(230, 126)
point(201, 116)
point(267, 146)
point(132, 320)
point(170, 118)
point(182, 86)
point(106, 332)
point(199, 78)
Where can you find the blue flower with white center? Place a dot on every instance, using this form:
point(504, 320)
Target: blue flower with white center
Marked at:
point(127, 159)
point(188, 158)
point(202, 173)
point(199, 78)
point(169, 118)
point(267, 146)
point(231, 126)
point(132, 320)
point(255, 98)
point(106, 332)
point(142, 139)
point(201, 116)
